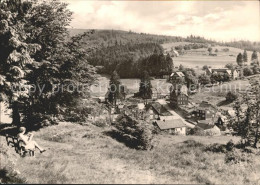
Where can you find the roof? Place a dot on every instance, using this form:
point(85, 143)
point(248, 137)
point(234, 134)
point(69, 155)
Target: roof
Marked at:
point(222, 118)
point(168, 124)
point(121, 106)
point(206, 105)
point(231, 112)
point(221, 70)
point(140, 105)
point(176, 52)
point(160, 109)
point(178, 73)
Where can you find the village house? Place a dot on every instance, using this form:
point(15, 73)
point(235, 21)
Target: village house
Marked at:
point(233, 74)
point(176, 126)
point(157, 111)
point(165, 76)
point(177, 76)
point(221, 122)
point(159, 93)
point(173, 53)
point(206, 111)
point(209, 129)
point(136, 110)
point(179, 95)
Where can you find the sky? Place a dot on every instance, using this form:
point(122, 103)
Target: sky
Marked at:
point(218, 20)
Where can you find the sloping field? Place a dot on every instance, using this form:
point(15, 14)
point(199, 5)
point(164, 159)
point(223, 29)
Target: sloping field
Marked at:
point(85, 154)
point(200, 57)
point(217, 94)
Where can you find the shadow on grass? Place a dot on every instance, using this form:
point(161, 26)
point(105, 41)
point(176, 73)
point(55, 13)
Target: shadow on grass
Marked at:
point(224, 103)
point(8, 176)
point(8, 129)
point(125, 139)
point(12, 130)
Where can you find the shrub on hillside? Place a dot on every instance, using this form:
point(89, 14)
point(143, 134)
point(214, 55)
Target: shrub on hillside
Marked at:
point(100, 123)
point(247, 71)
point(237, 157)
point(39, 120)
point(216, 148)
point(225, 49)
point(136, 134)
point(197, 131)
point(231, 96)
point(8, 173)
point(192, 144)
point(230, 146)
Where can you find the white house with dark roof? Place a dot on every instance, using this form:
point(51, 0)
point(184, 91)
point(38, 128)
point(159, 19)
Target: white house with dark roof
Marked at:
point(158, 112)
point(177, 75)
point(176, 126)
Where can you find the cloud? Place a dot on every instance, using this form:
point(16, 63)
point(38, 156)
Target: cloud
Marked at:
point(220, 20)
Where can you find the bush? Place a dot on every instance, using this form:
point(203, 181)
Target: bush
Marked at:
point(197, 131)
point(8, 173)
point(230, 145)
point(100, 123)
point(231, 96)
point(247, 71)
point(135, 134)
point(225, 49)
point(237, 157)
point(217, 148)
point(39, 120)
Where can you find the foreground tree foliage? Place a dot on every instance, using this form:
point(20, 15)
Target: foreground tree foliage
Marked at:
point(37, 57)
point(15, 53)
point(247, 122)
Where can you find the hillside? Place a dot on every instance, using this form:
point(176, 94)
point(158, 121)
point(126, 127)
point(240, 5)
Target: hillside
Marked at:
point(87, 154)
point(110, 37)
point(116, 48)
point(197, 58)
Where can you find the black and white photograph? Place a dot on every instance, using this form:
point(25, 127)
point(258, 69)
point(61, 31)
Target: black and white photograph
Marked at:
point(130, 92)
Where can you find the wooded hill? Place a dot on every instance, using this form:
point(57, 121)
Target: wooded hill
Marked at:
point(113, 37)
point(132, 59)
point(130, 53)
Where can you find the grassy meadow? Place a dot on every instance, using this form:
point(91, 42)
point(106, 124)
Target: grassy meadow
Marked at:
point(86, 154)
point(197, 58)
point(216, 94)
point(132, 85)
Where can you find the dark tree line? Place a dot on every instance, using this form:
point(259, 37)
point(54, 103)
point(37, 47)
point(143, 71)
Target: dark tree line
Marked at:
point(130, 60)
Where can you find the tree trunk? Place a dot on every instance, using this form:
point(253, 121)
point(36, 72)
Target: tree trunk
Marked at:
point(15, 114)
point(256, 136)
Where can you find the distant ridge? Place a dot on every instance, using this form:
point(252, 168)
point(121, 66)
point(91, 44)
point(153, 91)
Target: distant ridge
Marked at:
point(107, 37)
